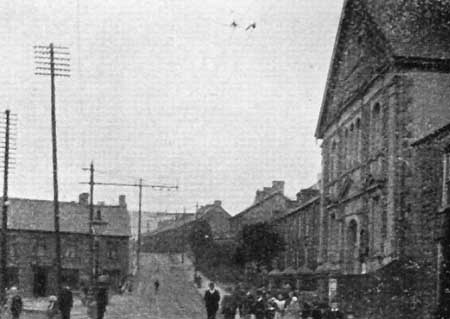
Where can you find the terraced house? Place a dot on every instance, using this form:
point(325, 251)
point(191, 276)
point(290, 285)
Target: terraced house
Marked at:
point(388, 86)
point(31, 243)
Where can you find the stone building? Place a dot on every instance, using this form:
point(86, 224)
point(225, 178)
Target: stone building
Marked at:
point(427, 233)
point(388, 85)
point(269, 203)
point(299, 228)
point(31, 243)
point(173, 237)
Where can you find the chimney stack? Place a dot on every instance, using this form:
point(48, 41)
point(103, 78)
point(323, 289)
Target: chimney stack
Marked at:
point(278, 186)
point(218, 203)
point(83, 199)
point(122, 201)
point(306, 194)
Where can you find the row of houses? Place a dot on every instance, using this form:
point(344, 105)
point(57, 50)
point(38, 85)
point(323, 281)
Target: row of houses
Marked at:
point(31, 243)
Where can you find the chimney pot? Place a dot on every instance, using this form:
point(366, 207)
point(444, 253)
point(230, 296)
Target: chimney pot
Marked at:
point(122, 201)
point(83, 199)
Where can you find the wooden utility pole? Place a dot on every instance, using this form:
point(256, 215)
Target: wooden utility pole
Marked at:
point(91, 230)
point(140, 186)
point(51, 68)
point(4, 240)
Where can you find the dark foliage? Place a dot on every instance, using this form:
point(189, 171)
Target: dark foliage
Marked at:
point(258, 243)
point(200, 238)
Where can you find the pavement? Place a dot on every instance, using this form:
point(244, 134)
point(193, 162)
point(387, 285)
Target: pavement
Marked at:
point(177, 297)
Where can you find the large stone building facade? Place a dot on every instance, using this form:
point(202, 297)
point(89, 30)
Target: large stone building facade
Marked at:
point(388, 86)
point(31, 244)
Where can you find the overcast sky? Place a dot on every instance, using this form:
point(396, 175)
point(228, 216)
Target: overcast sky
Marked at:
point(169, 91)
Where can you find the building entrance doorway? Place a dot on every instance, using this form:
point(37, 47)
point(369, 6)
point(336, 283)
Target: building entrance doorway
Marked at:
point(40, 281)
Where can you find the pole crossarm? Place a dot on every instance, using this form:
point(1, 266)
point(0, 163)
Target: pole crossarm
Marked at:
point(159, 187)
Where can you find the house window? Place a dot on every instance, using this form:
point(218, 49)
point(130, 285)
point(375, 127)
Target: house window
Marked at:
point(113, 251)
point(70, 252)
point(41, 249)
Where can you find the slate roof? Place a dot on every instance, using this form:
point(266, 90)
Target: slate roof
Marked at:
point(38, 215)
point(413, 28)
point(202, 212)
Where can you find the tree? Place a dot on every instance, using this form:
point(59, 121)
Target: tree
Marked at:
point(258, 243)
point(200, 237)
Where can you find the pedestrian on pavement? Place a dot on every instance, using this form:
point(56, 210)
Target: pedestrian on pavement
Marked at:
point(156, 284)
point(65, 301)
point(229, 307)
point(280, 303)
point(247, 305)
point(102, 300)
point(15, 303)
point(333, 312)
point(91, 303)
point(259, 307)
point(212, 298)
point(53, 311)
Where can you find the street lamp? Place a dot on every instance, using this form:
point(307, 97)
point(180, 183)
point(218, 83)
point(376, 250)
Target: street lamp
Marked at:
point(98, 228)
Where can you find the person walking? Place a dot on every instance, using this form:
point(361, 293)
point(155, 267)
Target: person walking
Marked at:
point(53, 311)
point(16, 304)
point(65, 301)
point(229, 306)
point(333, 312)
point(259, 307)
point(156, 284)
point(212, 298)
point(102, 300)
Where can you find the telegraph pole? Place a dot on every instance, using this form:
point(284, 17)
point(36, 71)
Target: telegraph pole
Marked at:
point(91, 219)
point(140, 186)
point(45, 60)
point(138, 248)
point(4, 239)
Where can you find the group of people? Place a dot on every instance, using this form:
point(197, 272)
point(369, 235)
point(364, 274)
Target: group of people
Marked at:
point(60, 306)
point(266, 304)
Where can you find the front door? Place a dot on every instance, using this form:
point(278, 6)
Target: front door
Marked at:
point(40, 281)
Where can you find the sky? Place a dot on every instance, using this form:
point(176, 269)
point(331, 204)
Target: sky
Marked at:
point(169, 91)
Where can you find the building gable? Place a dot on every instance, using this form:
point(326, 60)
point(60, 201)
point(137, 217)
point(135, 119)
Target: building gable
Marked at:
point(360, 53)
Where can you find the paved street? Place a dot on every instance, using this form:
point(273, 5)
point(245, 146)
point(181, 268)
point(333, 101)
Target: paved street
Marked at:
point(177, 297)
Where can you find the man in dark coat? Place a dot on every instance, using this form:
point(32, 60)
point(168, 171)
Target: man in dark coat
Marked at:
point(65, 302)
point(212, 298)
point(259, 307)
point(102, 301)
point(333, 312)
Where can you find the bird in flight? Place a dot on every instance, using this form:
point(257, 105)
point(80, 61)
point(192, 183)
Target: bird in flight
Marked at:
point(251, 26)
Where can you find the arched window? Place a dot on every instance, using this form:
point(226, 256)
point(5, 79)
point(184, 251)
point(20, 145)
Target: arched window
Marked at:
point(352, 137)
point(376, 125)
point(358, 140)
point(346, 149)
point(333, 161)
point(383, 229)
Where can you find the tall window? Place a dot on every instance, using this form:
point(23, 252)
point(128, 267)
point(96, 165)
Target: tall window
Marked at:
point(333, 161)
point(346, 147)
point(352, 238)
point(352, 146)
point(383, 230)
point(376, 129)
point(446, 179)
point(358, 140)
